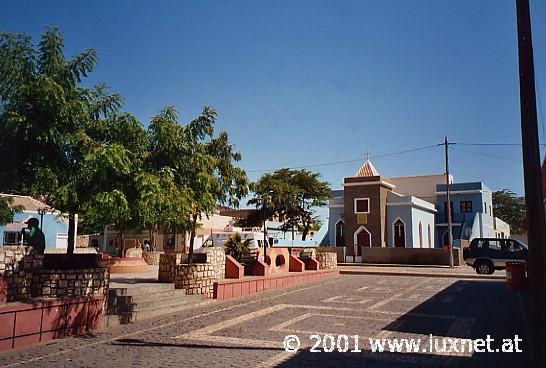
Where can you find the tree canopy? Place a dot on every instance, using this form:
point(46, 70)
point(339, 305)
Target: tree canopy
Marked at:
point(510, 208)
point(73, 147)
point(7, 210)
point(291, 195)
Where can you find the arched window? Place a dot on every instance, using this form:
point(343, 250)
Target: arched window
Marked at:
point(429, 237)
point(399, 233)
point(340, 233)
point(420, 235)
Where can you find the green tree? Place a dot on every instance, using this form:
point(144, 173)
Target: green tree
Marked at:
point(7, 210)
point(203, 165)
point(510, 208)
point(291, 195)
point(236, 247)
point(45, 116)
point(161, 203)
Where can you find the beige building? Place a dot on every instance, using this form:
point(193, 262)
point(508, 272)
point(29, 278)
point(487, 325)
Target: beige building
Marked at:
point(421, 186)
point(164, 241)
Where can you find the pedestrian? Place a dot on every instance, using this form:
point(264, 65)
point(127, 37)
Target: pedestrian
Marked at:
point(147, 247)
point(33, 235)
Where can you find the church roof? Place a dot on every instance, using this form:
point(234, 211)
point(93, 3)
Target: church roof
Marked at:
point(366, 170)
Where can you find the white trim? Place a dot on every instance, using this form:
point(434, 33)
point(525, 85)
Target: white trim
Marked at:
point(336, 205)
point(413, 204)
point(361, 199)
point(468, 191)
point(402, 221)
point(382, 182)
point(358, 231)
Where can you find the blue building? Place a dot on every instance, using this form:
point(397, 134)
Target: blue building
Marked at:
point(52, 222)
point(471, 213)
point(369, 212)
point(409, 212)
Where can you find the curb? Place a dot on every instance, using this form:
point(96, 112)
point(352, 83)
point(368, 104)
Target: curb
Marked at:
point(421, 274)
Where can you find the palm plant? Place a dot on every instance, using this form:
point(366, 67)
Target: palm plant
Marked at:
point(236, 246)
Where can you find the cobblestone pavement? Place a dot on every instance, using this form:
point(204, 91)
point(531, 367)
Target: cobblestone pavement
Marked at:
point(249, 332)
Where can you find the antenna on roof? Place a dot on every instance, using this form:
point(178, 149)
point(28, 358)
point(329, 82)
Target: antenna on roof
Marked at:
point(367, 155)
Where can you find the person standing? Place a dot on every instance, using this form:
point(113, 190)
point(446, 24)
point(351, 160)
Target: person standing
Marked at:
point(34, 236)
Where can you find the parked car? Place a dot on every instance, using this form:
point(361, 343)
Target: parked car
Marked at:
point(489, 254)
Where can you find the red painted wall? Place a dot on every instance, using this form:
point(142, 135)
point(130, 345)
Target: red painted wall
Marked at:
point(28, 323)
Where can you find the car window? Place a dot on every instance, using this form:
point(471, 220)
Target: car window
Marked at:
point(482, 244)
point(494, 244)
point(515, 246)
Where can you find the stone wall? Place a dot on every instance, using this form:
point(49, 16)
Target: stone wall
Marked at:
point(24, 278)
point(69, 283)
point(326, 260)
point(17, 265)
point(167, 264)
point(197, 278)
point(152, 258)
point(217, 257)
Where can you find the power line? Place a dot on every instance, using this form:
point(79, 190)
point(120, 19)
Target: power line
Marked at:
point(486, 144)
point(452, 144)
point(353, 160)
point(487, 155)
point(490, 144)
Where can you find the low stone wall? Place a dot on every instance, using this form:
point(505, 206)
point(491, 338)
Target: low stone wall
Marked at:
point(68, 283)
point(152, 258)
point(17, 265)
point(326, 260)
point(216, 256)
point(24, 278)
point(418, 256)
point(197, 278)
point(167, 264)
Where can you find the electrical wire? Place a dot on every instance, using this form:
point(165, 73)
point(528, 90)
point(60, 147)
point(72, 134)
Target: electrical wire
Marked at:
point(453, 145)
point(354, 160)
point(487, 155)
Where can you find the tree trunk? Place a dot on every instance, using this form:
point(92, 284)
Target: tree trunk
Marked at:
point(304, 232)
point(71, 233)
point(121, 244)
point(192, 238)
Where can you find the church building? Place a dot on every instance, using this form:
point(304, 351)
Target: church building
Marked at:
point(368, 212)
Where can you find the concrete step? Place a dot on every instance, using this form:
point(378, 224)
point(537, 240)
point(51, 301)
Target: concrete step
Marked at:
point(163, 307)
point(141, 289)
point(160, 300)
point(167, 306)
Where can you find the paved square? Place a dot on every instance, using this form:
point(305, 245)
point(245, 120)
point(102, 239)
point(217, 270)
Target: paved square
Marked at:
point(249, 332)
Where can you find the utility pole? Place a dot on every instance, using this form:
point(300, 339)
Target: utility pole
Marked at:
point(448, 207)
point(534, 201)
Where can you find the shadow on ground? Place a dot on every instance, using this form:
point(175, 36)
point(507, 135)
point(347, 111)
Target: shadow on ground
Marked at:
point(481, 308)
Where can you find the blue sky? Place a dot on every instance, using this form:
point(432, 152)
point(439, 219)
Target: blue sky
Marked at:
point(307, 82)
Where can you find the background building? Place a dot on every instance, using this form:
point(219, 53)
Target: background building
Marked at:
point(53, 223)
point(471, 213)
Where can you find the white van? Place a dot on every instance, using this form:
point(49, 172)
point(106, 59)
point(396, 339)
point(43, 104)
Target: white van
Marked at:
point(218, 239)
